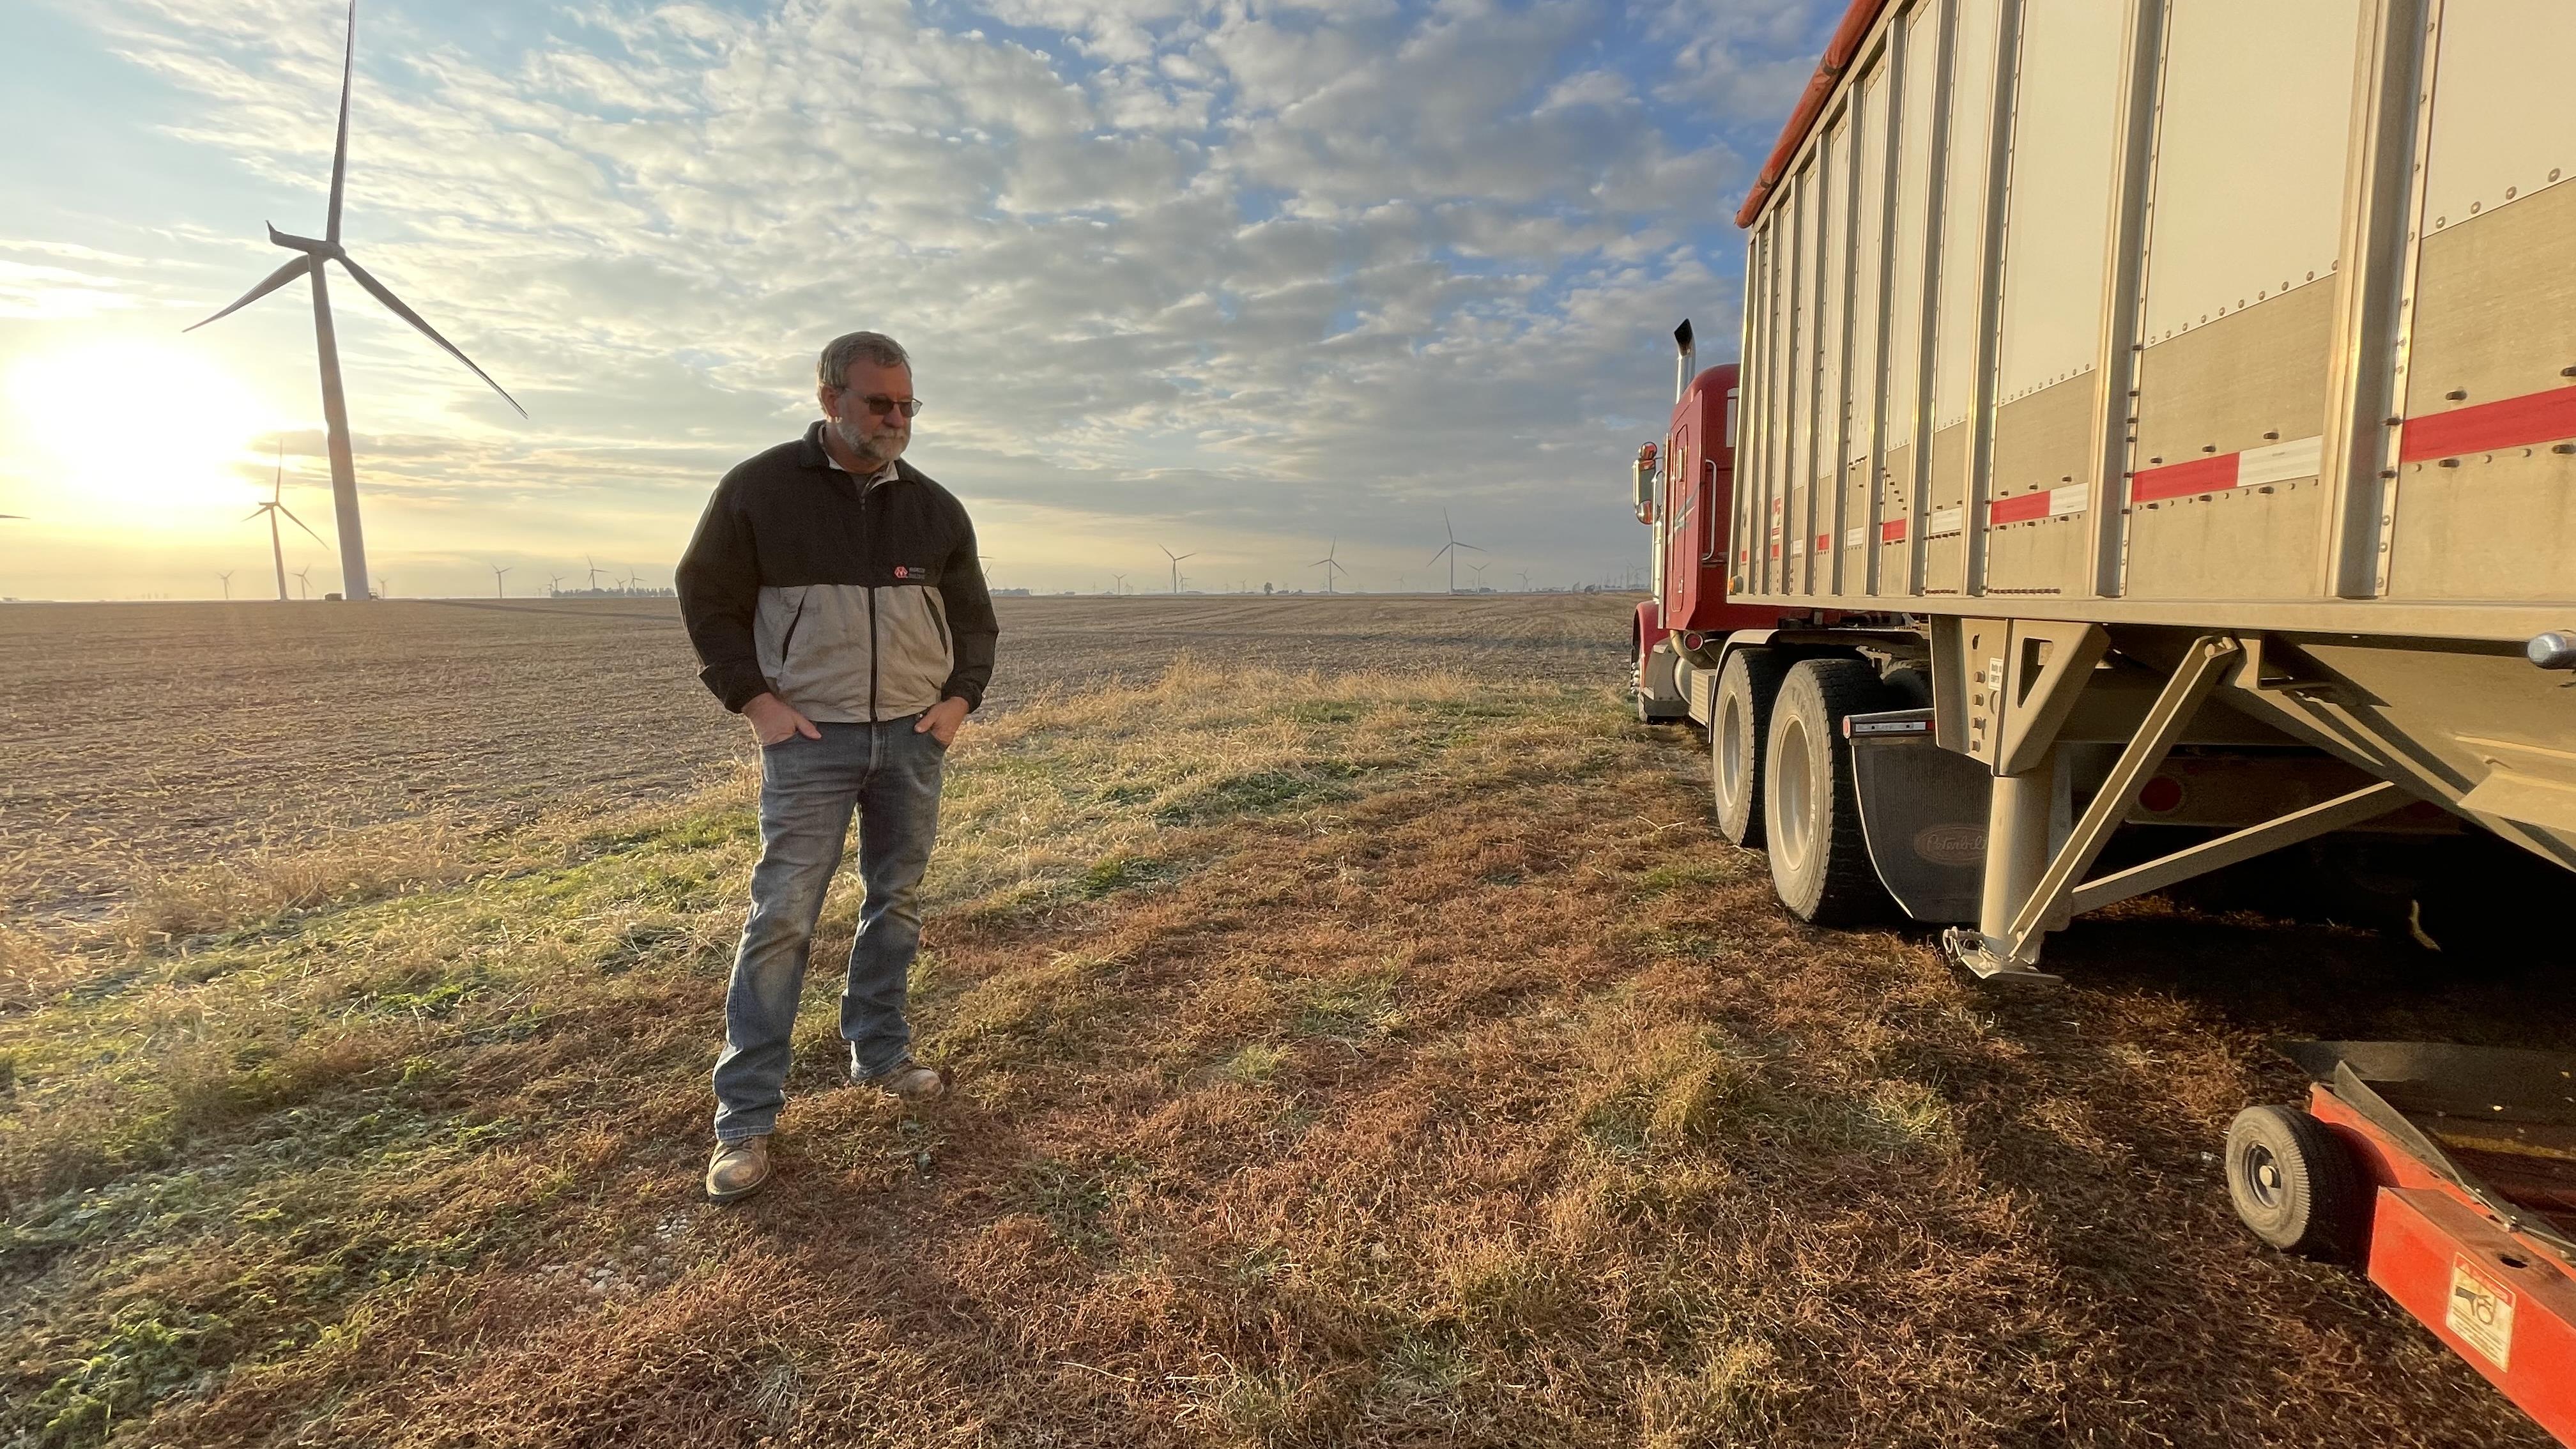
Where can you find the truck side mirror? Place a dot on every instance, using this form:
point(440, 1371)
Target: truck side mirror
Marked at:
point(1646, 484)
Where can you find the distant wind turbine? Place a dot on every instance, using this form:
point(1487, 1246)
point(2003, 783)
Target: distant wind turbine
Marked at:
point(1118, 584)
point(497, 571)
point(594, 572)
point(304, 582)
point(1329, 565)
point(273, 507)
point(311, 262)
point(1176, 564)
point(1451, 549)
point(227, 577)
point(554, 585)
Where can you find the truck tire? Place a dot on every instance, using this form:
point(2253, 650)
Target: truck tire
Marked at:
point(1811, 812)
point(1739, 730)
point(2294, 1184)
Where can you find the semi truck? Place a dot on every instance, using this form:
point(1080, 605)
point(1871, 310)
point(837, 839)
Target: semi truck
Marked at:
point(2153, 447)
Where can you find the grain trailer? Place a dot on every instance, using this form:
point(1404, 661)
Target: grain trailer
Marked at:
point(2156, 421)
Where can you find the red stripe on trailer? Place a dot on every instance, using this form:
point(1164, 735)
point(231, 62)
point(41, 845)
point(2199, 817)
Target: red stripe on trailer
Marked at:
point(2181, 480)
point(2020, 509)
point(1892, 531)
point(2514, 422)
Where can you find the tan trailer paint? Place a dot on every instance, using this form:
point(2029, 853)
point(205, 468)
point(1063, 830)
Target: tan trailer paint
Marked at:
point(2233, 340)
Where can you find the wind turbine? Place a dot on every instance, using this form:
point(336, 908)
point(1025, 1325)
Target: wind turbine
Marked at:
point(274, 506)
point(1118, 585)
point(304, 582)
point(227, 577)
point(311, 262)
point(496, 581)
point(554, 585)
point(1176, 564)
point(1479, 571)
point(594, 572)
point(1451, 549)
point(1329, 564)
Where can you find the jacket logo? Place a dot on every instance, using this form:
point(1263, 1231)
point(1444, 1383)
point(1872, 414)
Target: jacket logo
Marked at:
point(901, 572)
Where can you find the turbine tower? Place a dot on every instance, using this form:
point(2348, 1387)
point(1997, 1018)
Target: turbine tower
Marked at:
point(227, 577)
point(1329, 565)
point(1118, 584)
point(1176, 564)
point(304, 581)
point(311, 262)
point(496, 582)
point(594, 572)
point(1451, 549)
point(554, 585)
point(276, 505)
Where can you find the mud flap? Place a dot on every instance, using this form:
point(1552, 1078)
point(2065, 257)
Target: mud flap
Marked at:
point(1923, 813)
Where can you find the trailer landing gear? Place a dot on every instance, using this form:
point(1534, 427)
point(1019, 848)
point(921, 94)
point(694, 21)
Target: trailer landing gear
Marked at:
point(2450, 1172)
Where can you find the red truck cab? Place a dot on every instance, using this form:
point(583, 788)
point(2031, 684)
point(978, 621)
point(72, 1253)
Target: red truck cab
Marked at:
point(1685, 486)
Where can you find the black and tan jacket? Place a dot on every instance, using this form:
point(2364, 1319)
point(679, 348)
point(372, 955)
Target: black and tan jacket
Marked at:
point(851, 599)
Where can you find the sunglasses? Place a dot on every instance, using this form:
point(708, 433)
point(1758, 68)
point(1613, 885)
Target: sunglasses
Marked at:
point(878, 405)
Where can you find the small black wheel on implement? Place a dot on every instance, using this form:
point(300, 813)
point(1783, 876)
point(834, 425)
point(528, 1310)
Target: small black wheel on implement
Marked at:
point(2294, 1183)
point(1810, 808)
point(1739, 729)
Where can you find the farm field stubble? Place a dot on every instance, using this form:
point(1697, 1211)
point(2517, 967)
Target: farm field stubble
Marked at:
point(138, 739)
point(1351, 1058)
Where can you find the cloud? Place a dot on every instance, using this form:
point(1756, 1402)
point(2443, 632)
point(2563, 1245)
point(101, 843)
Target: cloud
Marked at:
point(1263, 268)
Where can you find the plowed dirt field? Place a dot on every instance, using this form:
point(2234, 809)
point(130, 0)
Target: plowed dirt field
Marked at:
point(137, 738)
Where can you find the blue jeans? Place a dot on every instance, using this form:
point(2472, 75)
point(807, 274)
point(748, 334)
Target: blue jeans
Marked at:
point(889, 775)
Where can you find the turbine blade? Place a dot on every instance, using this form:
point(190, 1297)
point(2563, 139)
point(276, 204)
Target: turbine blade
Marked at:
point(1471, 548)
point(382, 294)
point(275, 280)
point(1444, 548)
point(300, 523)
point(340, 147)
point(254, 513)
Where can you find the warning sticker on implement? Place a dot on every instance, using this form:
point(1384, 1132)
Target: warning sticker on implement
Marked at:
point(2481, 1312)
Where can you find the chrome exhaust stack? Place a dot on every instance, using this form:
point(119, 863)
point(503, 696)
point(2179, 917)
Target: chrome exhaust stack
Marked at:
point(1689, 367)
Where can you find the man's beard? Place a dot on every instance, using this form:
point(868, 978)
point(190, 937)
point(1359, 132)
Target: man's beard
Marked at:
point(881, 449)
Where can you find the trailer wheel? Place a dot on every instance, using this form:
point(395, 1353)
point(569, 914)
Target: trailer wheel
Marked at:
point(1811, 812)
point(1739, 729)
point(2294, 1183)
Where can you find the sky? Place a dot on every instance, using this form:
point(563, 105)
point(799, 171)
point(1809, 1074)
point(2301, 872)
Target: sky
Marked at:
point(1251, 282)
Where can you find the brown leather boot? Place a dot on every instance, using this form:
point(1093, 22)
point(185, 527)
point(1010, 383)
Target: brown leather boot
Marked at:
point(909, 1081)
point(738, 1169)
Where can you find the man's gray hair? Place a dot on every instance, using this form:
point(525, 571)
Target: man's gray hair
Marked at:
point(833, 370)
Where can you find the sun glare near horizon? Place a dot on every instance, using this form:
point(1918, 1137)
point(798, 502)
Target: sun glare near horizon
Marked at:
point(143, 433)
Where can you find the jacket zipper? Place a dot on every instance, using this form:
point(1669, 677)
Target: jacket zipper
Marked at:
point(869, 538)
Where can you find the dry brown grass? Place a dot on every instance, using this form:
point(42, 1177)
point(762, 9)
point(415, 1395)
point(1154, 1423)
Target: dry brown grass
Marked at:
point(1369, 1060)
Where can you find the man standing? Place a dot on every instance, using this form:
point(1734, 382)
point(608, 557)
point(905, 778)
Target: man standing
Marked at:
point(834, 598)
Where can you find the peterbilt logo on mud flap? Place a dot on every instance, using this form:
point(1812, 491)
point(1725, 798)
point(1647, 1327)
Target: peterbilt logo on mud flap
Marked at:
point(1951, 844)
